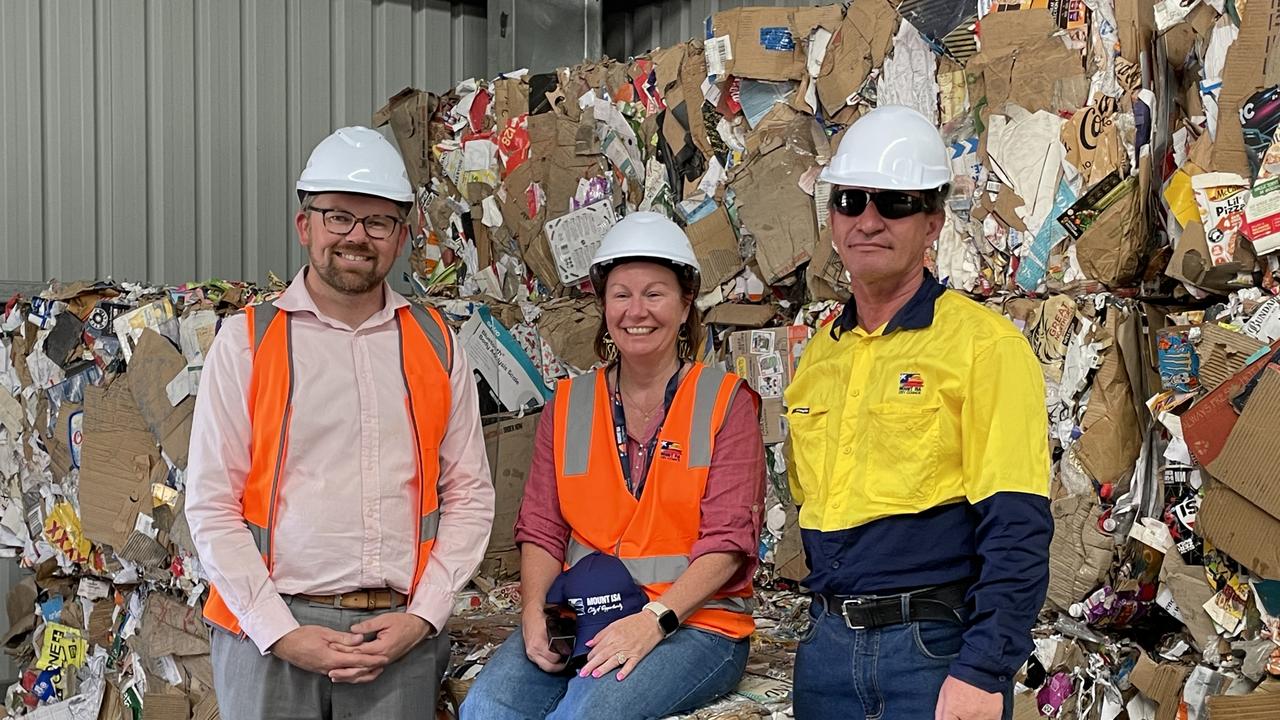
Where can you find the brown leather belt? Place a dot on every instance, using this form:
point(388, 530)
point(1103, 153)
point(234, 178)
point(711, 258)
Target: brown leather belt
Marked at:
point(381, 599)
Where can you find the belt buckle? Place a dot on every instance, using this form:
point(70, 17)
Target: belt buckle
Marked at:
point(844, 611)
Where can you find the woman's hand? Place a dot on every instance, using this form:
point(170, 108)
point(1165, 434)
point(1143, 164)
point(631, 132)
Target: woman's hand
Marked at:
point(533, 624)
point(622, 644)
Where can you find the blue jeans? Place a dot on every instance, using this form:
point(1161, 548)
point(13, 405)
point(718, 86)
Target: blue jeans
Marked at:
point(892, 672)
point(686, 671)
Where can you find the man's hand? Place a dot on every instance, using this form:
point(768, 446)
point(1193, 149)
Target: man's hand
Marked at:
point(958, 700)
point(533, 626)
point(319, 649)
point(628, 640)
point(397, 633)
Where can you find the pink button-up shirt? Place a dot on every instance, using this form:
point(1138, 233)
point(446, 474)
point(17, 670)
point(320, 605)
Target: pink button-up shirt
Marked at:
point(345, 517)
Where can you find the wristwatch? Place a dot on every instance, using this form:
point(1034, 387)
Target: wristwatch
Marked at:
point(667, 621)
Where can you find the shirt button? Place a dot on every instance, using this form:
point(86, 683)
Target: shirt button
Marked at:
point(855, 393)
point(847, 450)
point(835, 565)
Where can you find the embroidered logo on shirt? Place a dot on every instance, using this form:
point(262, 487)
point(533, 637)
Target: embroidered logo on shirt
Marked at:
point(670, 450)
point(910, 383)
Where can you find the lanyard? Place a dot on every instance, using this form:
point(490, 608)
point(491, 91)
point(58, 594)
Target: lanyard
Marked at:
point(620, 430)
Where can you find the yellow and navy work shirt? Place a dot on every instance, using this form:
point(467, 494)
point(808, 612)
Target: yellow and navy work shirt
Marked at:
point(919, 456)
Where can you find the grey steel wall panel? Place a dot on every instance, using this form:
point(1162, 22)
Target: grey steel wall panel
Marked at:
point(159, 140)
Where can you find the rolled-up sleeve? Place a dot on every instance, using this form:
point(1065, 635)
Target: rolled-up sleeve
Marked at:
point(217, 469)
point(540, 521)
point(733, 503)
point(466, 503)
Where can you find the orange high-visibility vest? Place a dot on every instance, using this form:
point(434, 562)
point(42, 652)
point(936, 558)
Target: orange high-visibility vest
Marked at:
point(653, 536)
point(426, 360)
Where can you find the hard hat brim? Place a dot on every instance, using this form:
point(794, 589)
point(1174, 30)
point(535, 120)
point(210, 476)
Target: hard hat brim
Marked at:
point(880, 181)
point(362, 188)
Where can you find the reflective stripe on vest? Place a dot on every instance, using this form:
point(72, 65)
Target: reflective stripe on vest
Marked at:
point(425, 390)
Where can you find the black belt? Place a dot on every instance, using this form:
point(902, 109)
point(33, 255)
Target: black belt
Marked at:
point(860, 612)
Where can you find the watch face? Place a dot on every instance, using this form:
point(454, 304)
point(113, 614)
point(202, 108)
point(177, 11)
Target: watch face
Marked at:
point(669, 622)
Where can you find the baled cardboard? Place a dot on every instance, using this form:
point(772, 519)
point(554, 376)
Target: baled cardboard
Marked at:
point(1248, 461)
point(508, 442)
point(1231, 523)
point(1207, 424)
point(1111, 247)
point(1079, 554)
point(740, 315)
point(767, 360)
point(1253, 63)
point(1161, 682)
point(761, 41)
point(409, 112)
point(1223, 353)
point(171, 627)
point(569, 327)
point(155, 363)
point(860, 44)
point(716, 246)
point(119, 458)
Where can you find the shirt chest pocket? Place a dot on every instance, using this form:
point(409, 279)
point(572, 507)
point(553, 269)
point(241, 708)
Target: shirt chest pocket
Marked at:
point(807, 433)
point(902, 452)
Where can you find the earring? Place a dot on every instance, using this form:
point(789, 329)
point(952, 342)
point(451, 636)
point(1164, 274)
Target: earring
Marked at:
point(610, 349)
point(684, 349)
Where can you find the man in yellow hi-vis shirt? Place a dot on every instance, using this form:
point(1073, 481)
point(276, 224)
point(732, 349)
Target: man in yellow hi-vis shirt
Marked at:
point(919, 458)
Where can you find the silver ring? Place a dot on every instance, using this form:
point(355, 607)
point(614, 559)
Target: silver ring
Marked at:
point(622, 659)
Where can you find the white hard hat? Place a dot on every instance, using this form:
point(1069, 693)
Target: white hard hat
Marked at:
point(891, 148)
point(645, 236)
point(356, 160)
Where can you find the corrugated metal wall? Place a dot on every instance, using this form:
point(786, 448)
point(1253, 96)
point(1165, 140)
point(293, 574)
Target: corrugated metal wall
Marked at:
point(159, 140)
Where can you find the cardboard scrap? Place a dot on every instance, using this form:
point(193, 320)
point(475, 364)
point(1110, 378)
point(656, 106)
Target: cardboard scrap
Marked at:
point(508, 442)
point(1223, 353)
point(1249, 460)
point(119, 458)
point(1162, 682)
point(1207, 424)
point(1111, 442)
point(155, 363)
point(1246, 532)
point(1079, 554)
point(860, 45)
point(716, 246)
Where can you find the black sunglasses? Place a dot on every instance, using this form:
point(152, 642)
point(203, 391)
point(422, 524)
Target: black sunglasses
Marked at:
point(891, 204)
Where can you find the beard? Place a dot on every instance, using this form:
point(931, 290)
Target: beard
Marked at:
point(346, 281)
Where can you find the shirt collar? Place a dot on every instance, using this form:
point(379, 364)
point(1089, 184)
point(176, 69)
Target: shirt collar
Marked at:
point(917, 314)
point(296, 298)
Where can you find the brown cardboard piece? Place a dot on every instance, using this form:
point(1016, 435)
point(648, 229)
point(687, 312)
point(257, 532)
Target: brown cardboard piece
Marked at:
point(1248, 462)
point(772, 206)
point(1190, 592)
point(118, 459)
point(1015, 28)
point(1223, 353)
point(1228, 521)
point(508, 442)
point(750, 30)
point(1079, 554)
point(171, 705)
point(569, 327)
point(1038, 72)
point(1110, 443)
point(860, 45)
point(716, 246)
point(1260, 704)
point(740, 315)
point(409, 112)
point(1190, 263)
point(788, 557)
point(155, 363)
point(1093, 144)
point(1253, 63)
point(1161, 682)
point(171, 627)
point(20, 606)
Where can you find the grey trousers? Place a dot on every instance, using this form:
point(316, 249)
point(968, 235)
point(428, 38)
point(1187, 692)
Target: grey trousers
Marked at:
point(253, 686)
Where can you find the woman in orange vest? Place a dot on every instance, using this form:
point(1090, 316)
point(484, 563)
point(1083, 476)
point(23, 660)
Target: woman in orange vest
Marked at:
point(656, 460)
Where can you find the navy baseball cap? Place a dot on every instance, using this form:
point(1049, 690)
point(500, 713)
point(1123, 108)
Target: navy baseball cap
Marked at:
point(599, 590)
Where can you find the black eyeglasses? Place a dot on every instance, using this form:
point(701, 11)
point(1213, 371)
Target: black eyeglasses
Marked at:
point(891, 204)
point(341, 222)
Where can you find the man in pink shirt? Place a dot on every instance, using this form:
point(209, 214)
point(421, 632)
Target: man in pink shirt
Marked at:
point(338, 490)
